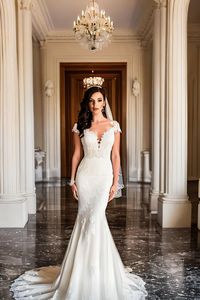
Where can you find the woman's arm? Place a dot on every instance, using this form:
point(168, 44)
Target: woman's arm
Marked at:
point(77, 155)
point(115, 157)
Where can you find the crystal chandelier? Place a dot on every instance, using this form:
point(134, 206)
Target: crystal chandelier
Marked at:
point(93, 29)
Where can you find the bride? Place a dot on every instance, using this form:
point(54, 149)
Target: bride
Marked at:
point(92, 268)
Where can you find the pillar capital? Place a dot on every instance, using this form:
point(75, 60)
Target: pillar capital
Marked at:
point(25, 4)
point(160, 3)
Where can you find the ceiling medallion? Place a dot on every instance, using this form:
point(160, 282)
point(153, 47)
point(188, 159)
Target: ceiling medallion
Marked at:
point(93, 29)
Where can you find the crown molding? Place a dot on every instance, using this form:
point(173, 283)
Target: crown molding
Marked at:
point(145, 31)
point(146, 35)
point(41, 19)
point(67, 36)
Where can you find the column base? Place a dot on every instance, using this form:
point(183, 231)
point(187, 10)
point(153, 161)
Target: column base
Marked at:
point(174, 213)
point(13, 211)
point(31, 202)
point(153, 205)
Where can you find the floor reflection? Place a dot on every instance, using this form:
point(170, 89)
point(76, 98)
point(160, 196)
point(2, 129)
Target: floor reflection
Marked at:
point(168, 260)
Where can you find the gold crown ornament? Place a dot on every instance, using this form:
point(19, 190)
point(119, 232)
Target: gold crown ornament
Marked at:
point(92, 81)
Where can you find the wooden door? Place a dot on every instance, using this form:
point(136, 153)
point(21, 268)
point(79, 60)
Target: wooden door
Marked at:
point(71, 75)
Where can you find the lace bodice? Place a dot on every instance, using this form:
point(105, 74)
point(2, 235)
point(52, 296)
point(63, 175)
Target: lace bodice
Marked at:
point(92, 146)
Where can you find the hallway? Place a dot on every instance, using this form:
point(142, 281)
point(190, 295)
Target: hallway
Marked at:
point(168, 260)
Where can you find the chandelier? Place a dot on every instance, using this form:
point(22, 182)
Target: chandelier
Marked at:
point(93, 29)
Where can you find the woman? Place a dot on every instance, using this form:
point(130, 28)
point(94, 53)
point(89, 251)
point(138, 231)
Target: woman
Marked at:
point(92, 268)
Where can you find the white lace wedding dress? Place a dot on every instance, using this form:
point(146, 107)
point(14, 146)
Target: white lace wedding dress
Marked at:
point(92, 268)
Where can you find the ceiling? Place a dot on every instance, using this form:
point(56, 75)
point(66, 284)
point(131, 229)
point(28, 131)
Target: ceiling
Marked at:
point(55, 17)
point(126, 14)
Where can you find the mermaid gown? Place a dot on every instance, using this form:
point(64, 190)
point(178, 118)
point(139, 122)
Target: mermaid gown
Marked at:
point(92, 268)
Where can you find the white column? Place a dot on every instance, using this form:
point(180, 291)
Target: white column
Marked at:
point(155, 112)
point(163, 28)
point(174, 209)
point(46, 101)
point(13, 204)
point(26, 101)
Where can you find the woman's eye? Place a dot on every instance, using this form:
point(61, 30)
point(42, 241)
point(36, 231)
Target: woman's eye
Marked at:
point(99, 100)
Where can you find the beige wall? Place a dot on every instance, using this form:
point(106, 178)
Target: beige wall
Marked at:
point(147, 94)
point(37, 94)
point(193, 110)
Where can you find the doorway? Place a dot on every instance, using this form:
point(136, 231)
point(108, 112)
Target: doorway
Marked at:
point(71, 88)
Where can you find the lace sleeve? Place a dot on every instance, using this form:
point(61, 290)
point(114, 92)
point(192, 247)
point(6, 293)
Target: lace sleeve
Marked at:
point(116, 127)
point(74, 129)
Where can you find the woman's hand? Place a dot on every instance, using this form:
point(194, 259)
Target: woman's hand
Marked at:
point(113, 191)
point(74, 191)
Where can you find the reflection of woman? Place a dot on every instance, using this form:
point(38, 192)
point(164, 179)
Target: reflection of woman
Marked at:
point(92, 268)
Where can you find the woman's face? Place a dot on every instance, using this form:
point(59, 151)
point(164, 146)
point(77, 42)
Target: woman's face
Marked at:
point(96, 103)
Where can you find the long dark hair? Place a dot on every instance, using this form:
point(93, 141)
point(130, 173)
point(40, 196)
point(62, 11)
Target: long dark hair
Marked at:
point(85, 115)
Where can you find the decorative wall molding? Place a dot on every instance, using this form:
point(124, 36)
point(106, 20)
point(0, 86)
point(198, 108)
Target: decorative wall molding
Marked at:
point(67, 36)
point(49, 88)
point(42, 22)
point(136, 87)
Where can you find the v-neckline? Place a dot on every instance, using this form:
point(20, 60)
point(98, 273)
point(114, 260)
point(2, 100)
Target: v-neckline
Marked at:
point(95, 133)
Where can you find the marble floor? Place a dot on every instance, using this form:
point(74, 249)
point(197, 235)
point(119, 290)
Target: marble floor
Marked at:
point(168, 260)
